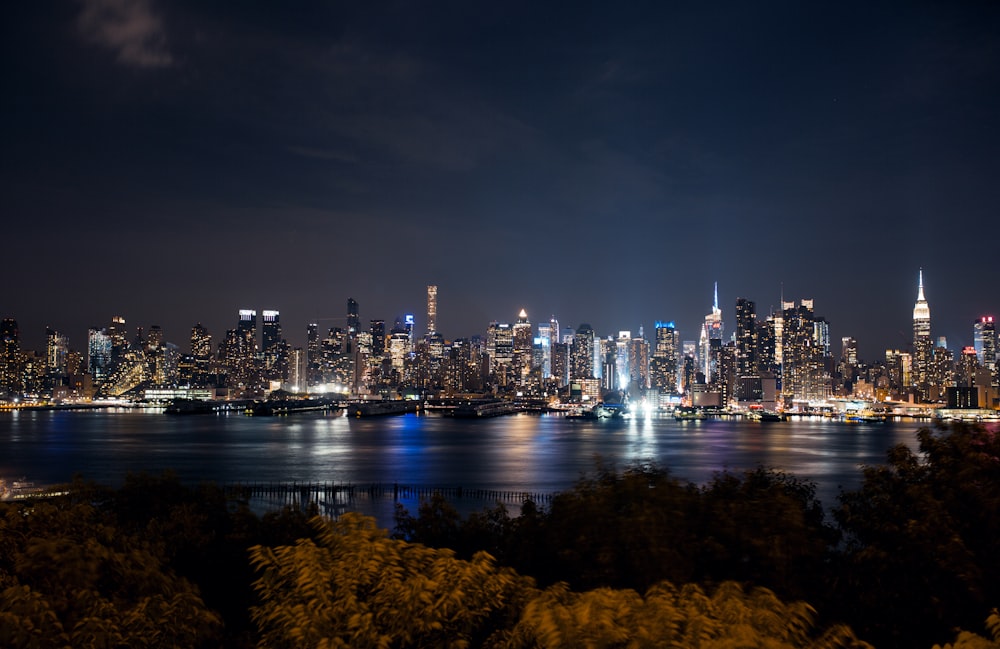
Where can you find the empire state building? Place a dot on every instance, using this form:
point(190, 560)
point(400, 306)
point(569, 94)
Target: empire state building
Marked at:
point(922, 346)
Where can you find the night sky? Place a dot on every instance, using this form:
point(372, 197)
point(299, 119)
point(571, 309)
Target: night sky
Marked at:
point(602, 162)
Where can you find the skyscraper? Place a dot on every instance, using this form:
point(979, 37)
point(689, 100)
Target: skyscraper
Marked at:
point(711, 338)
point(746, 338)
point(802, 368)
point(98, 354)
point(663, 366)
point(582, 353)
point(523, 344)
point(353, 317)
point(985, 341)
point(270, 331)
point(432, 309)
point(10, 357)
point(922, 345)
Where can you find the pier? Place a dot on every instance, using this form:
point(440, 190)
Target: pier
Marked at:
point(333, 499)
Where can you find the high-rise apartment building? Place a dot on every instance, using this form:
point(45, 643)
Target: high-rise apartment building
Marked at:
point(663, 365)
point(377, 330)
point(56, 349)
point(923, 347)
point(270, 331)
point(353, 317)
point(746, 338)
point(638, 362)
point(432, 309)
point(582, 353)
point(98, 354)
point(802, 364)
point(10, 357)
point(523, 342)
point(985, 341)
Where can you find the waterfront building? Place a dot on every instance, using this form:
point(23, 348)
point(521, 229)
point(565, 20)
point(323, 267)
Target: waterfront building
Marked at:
point(922, 344)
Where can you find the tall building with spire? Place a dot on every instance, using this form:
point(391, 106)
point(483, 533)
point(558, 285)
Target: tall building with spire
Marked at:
point(711, 339)
point(923, 347)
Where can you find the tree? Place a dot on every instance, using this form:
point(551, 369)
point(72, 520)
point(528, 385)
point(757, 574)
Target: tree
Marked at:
point(672, 617)
point(921, 555)
point(69, 578)
point(355, 587)
point(764, 527)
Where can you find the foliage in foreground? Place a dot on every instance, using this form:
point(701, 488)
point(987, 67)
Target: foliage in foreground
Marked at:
point(355, 587)
point(69, 579)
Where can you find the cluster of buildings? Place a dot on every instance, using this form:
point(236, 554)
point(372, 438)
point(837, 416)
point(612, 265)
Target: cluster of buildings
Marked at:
point(780, 360)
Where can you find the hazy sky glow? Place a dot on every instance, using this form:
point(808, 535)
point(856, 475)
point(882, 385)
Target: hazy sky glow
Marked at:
point(174, 162)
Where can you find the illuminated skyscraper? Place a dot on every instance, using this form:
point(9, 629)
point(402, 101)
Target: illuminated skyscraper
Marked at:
point(985, 341)
point(523, 345)
point(922, 345)
point(622, 376)
point(247, 327)
point(432, 309)
point(638, 361)
point(270, 331)
point(802, 367)
point(119, 339)
point(746, 338)
point(582, 353)
point(663, 366)
point(56, 349)
point(711, 339)
point(98, 354)
point(10, 357)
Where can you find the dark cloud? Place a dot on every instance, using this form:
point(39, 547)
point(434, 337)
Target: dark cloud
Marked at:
point(132, 29)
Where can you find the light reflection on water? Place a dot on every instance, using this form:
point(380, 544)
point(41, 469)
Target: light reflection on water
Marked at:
point(532, 453)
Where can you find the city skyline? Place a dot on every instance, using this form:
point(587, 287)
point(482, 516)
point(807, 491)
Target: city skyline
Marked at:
point(296, 335)
point(175, 162)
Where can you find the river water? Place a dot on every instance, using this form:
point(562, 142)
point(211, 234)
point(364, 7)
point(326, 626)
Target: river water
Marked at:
point(530, 453)
point(519, 453)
